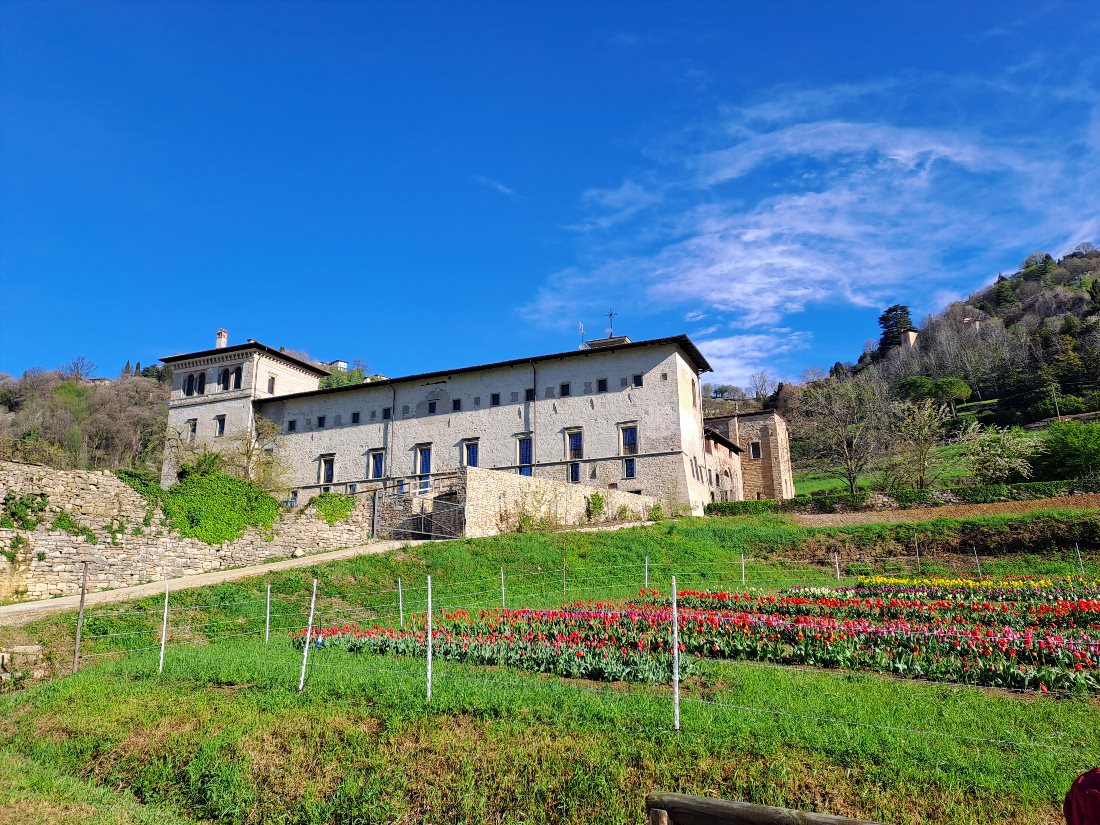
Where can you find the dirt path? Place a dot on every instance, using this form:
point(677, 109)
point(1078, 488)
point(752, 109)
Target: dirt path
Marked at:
point(23, 612)
point(1090, 501)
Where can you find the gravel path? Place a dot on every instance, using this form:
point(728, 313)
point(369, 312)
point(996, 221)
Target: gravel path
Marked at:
point(1090, 501)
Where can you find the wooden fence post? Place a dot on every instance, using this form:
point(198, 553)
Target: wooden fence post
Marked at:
point(80, 616)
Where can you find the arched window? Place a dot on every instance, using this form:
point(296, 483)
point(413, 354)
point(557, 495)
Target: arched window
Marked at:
point(223, 380)
point(189, 385)
point(238, 374)
point(201, 384)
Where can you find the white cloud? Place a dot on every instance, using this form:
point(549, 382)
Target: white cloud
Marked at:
point(496, 186)
point(736, 357)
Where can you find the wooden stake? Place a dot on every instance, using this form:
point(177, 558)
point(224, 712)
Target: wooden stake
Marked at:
point(80, 616)
point(429, 639)
point(675, 661)
point(163, 630)
point(309, 638)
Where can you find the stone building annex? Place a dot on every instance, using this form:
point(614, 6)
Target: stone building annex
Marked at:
point(619, 414)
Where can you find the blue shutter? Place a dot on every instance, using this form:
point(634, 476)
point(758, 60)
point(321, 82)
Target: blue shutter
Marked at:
point(525, 451)
point(426, 460)
point(376, 465)
point(471, 455)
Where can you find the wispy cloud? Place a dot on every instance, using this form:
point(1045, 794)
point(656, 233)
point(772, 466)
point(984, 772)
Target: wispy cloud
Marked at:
point(496, 186)
point(736, 357)
point(856, 195)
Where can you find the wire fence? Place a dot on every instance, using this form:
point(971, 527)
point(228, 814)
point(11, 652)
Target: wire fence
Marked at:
point(578, 592)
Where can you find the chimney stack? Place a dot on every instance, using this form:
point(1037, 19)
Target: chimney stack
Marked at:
point(222, 339)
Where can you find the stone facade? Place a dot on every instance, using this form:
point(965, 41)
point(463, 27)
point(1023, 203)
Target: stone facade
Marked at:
point(765, 452)
point(621, 415)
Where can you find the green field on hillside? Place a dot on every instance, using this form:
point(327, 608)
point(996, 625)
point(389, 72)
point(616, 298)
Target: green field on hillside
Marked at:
point(223, 736)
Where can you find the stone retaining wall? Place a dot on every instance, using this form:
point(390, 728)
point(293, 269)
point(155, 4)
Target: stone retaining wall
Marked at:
point(500, 502)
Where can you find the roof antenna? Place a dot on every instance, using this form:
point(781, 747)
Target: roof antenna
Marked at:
point(583, 344)
point(611, 323)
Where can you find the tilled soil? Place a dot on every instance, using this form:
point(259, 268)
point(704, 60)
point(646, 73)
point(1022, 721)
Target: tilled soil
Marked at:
point(1089, 501)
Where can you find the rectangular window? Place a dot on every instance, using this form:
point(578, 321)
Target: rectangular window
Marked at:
point(575, 472)
point(386, 412)
point(471, 453)
point(192, 428)
point(219, 426)
point(328, 467)
point(494, 399)
point(638, 380)
point(630, 468)
point(529, 394)
point(353, 488)
point(292, 425)
point(601, 385)
point(564, 390)
point(293, 500)
point(355, 418)
point(623, 382)
point(456, 405)
point(320, 422)
point(576, 444)
point(754, 449)
point(424, 463)
point(694, 394)
point(431, 408)
point(271, 385)
point(630, 440)
point(376, 464)
point(525, 456)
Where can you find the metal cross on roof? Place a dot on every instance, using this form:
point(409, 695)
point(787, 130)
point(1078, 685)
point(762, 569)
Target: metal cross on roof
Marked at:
point(611, 323)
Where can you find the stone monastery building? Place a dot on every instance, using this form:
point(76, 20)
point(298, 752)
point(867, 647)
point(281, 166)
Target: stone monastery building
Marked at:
point(620, 414)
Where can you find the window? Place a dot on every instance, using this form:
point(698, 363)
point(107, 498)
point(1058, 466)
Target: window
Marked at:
point(526, 454)
point(355, 418)
point(564, 390)
point(471, 453)
point(200, 385)
point(601, 385)
point(529, 394)
point(293, 500)
point(292, 425)
point(694, 394)
point(386, 413)
point(431, 408)
point(376, 464)
point(754, 449)
point(223, 380)
point(192, 428)
point(219, 426)
point(623, 382)
point(373, 414)
point(575, 472)
point(630, 440)
point(456, 405)
point(494, 399)
point(320, 422)
point(424, 463)
point(353, 487)
point(630, 468)
point(549, 392)
point(238, 376)
point(328, 468)
point(638, 380)
point(189, 385)
point(271, 385)
point(576, 444)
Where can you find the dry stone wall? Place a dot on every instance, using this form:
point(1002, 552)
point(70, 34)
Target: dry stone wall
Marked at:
point(41, 563)
point(500, 502)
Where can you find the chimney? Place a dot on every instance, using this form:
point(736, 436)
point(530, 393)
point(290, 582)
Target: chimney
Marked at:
point(222, 339)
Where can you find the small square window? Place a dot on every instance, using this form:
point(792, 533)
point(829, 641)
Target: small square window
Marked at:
point(529, 394)
point(494, 399)
point(386, 413)
point(549, 392)
point(353, 487)
point(754, 449)
point(515, 397)
point(320, 422)
point(355, 418)
point(373, 414)
point(564, 390)
point(431, 408)
point(623, 382)
point(292, 426)
point(637, 380)
point(601, 385)
point(456, 405)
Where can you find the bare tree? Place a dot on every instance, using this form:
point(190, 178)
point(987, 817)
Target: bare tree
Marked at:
point(847, 422)
point(761, 385)
point(79, 369)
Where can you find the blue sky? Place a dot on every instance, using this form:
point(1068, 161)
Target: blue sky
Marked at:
point(425, 185)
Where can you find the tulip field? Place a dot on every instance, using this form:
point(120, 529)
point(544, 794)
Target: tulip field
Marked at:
point(1028, 633)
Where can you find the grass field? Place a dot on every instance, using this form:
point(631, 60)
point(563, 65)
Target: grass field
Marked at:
point(223, 736)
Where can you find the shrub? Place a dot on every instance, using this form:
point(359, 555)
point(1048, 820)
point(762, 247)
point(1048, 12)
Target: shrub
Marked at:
point(68, 524)
point(1071, 450)
point(20, 511)
point(741, 508)
point(624, 514)
point(911, 498)
point(593, 506)
point(216, 508)
point(332, 507)
point(656, 513)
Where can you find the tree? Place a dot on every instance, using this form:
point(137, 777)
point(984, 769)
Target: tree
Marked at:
point(1071, 449)
point(253, 456)
point(342, 379)
point(919, 430)
point(127, 370)
point(847, 424)
point(79, 369)
point(998, 454)
point(894, 321)
point(950, 390)
point(1094, 290)
point(760, 386)
point(916, 387)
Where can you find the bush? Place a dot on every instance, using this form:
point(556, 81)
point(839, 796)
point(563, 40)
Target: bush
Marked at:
point(741, 508)
point(71, 526)
point(20, 511)
point(216, 508)
point(332, 507)
point(1071, 450)
point(656, 513)
point(593, 506)
point(911, 498)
